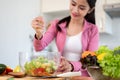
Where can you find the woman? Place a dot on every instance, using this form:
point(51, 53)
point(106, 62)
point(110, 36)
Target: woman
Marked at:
point(73, 34)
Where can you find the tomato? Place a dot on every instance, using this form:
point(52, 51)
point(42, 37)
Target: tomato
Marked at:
point(39, 70)
point(8, 70)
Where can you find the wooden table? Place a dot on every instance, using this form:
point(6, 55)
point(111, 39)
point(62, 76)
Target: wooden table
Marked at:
point(7, 77)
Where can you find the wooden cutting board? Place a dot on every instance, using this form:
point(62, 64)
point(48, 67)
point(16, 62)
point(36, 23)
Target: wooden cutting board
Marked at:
point(7, 77)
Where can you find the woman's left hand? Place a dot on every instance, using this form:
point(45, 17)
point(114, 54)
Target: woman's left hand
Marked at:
point(65, 66)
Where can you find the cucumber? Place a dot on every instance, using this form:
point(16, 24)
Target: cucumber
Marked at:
point(2, 68)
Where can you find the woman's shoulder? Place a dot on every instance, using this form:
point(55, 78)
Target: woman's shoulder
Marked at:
point(58, 21)
point(55, 21)
point(91, 25)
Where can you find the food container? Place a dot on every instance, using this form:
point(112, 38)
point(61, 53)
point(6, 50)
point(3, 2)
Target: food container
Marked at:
point(96, 74)
point(40, 63)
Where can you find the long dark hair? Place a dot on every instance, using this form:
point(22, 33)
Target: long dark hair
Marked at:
point(66, 19)
point(90, 17)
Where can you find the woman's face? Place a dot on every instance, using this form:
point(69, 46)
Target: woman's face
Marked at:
point(79, 9)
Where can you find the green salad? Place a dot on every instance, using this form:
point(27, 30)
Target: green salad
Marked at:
point(40, 66)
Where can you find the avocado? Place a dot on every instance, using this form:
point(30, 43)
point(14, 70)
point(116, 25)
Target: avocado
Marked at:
point(2, 68)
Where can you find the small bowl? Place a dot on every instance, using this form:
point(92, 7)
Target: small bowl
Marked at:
point(96, 74)
point(40, 63)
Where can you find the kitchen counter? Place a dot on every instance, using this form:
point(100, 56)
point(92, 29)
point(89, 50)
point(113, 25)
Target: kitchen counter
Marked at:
point(8, 77)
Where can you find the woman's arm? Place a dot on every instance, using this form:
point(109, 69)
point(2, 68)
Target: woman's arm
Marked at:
point(50, 34)
point(94, 39)
point(77, 67)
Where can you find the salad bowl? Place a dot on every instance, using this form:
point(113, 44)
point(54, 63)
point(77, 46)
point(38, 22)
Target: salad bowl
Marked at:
point(42, 63)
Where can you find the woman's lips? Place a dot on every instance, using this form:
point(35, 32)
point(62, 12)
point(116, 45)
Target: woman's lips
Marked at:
point(74, 15)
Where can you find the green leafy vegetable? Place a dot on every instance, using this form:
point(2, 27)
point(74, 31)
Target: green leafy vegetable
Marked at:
point(103, 49)
point(116, 50)
point(110, 64)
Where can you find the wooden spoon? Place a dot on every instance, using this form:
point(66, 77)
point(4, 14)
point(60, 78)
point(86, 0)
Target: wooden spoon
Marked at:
point(17, 74)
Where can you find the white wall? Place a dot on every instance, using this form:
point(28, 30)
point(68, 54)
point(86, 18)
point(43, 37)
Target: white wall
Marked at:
point(15, 28)
point(112, 40)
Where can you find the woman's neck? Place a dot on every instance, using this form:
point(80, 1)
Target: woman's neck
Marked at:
point(76, 23)
point(74, 27)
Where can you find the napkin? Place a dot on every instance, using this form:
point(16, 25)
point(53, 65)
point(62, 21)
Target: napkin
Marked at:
point(69, 74)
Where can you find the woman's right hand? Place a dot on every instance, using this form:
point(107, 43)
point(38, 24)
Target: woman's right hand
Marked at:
point(38, 26)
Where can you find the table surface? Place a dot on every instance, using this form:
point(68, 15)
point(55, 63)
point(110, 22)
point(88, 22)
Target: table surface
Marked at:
point(7, 77)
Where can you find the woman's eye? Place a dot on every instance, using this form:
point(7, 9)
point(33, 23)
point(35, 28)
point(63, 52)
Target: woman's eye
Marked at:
point(82, 8)
point(73, 4)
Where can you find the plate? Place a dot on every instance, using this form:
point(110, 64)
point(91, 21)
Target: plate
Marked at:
point(17, 74)
point(69, 74)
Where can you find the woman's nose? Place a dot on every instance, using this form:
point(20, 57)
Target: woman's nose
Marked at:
point(76, 9)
